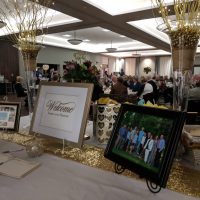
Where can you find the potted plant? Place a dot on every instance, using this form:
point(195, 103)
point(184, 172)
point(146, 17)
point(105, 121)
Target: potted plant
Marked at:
point(147, 70)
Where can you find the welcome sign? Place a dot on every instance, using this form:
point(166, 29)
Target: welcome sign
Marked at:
point(61, 110)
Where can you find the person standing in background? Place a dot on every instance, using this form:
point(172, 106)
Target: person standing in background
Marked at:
point(20, 90)
point(122, 72)
point(13, 81)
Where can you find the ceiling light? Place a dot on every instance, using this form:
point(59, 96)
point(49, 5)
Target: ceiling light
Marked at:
point(111, 49)
point(66, 35)
point(75, 41)
point(86, 40)
point(135, 55)
point(2, 24)
point(106, 30)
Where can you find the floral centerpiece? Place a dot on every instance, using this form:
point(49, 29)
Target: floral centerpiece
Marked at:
point(81, 72)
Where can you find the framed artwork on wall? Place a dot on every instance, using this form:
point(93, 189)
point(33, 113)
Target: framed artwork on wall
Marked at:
point(61, 110)
point(10, 115)
point(144, 140)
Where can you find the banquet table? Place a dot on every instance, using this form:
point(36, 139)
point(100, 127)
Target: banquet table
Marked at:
point(61, 179)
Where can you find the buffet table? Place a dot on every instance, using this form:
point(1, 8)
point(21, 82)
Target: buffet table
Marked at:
point(59, 179)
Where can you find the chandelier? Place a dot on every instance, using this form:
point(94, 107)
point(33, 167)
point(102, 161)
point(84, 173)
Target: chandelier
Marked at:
point(75, 41)
point(111, 49)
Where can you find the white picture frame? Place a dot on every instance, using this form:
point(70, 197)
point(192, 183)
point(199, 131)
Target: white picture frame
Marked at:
point(62, 110)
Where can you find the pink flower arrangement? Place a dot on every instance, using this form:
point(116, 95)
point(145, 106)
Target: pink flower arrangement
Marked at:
point(81, 72)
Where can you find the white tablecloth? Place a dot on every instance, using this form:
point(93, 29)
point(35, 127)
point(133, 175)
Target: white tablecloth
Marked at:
point(25, 125)
point(60, 179)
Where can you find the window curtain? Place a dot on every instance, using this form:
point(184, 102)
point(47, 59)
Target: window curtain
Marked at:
point(130, 66)
point(119, 64)
point(165, 66)
point(112, 64)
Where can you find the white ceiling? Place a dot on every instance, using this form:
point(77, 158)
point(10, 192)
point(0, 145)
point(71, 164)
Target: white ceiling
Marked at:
point(57, 19)
point(131, 27)
point(150, 26)
point(114, 7)
point(95, 40)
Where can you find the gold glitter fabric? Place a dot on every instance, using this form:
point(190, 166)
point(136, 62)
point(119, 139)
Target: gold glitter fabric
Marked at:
point(182, 179)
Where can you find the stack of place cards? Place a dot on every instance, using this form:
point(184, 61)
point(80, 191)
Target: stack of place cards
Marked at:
point(15, 167)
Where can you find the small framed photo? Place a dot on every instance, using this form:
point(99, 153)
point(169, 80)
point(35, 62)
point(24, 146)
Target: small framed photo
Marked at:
point(10, 115)
point(144, 140)
point(62, 110)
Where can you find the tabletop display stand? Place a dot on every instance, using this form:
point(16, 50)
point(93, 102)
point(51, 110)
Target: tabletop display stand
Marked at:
point(153, 187)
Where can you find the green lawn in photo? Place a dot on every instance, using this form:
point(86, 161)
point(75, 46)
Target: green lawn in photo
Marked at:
point(134, 159)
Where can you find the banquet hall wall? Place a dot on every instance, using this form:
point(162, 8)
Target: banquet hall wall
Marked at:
point(9, 59)
point(131, 66)
point(12, 62)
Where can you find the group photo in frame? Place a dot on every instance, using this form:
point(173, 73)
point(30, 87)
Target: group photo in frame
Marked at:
point(10, 115)
point(61, 110)
point(144, 140)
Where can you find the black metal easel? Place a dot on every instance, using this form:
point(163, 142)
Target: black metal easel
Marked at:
point(153, 187)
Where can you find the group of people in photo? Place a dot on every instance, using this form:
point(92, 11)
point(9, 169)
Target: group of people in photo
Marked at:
point(141, 143)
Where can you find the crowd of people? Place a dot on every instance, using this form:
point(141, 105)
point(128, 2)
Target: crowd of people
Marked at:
point(141, 143)
point(147, 88)
point(154, 89)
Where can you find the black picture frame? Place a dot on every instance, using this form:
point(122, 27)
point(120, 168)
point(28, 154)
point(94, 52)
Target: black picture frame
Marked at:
point(159, 122)
point(10, 115)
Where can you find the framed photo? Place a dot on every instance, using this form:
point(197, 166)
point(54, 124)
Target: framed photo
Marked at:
point(10, 115)
point(144, 140)
point(62, 110)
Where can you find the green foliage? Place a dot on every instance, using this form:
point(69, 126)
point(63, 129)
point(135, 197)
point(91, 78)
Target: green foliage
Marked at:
point(156, 125)
point(147, 70)
point(134, 159)
point(85, 72)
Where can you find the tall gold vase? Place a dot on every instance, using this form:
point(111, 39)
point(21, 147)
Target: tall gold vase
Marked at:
point(183, 40)
point(183, 48)
point(29, 56)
